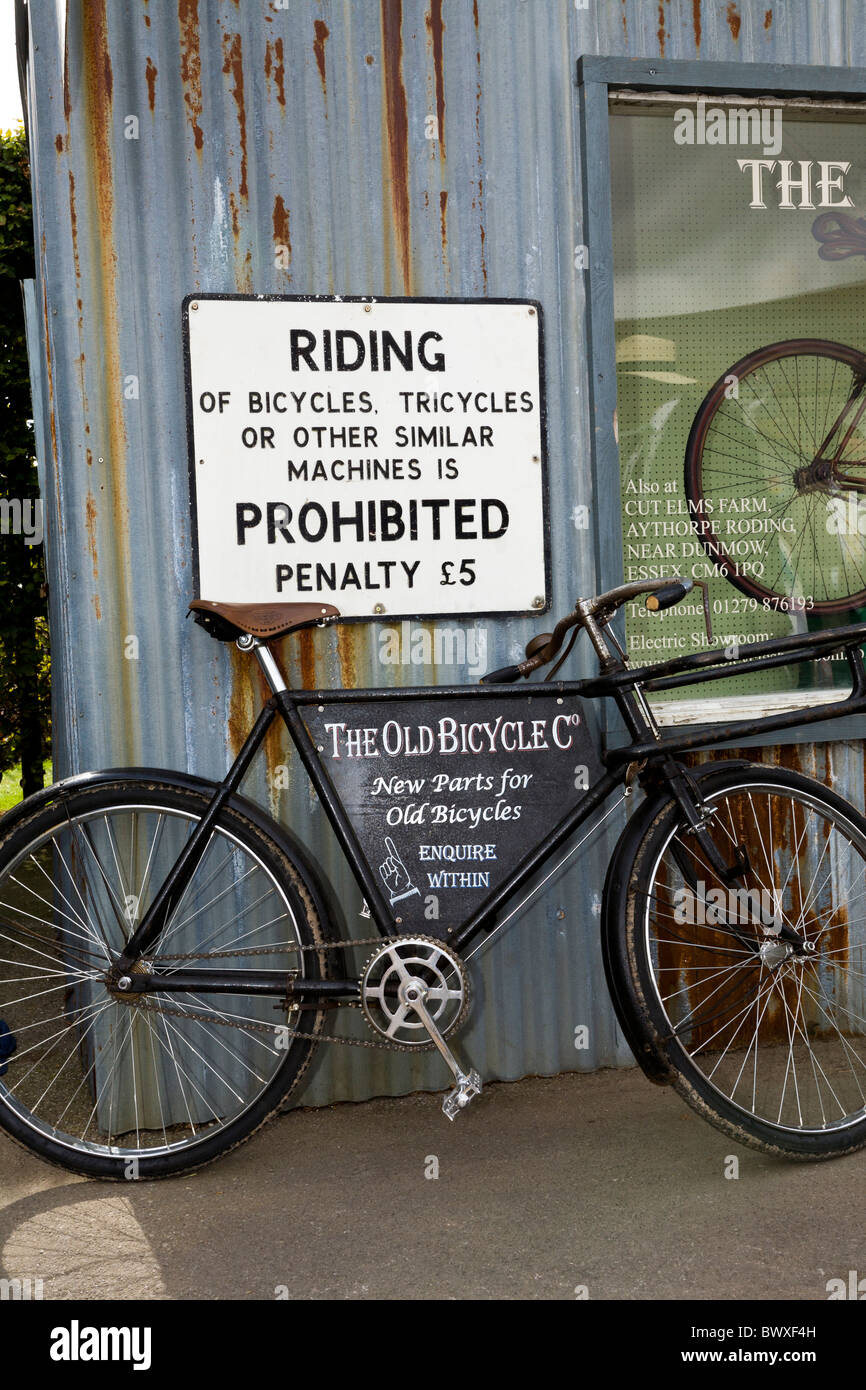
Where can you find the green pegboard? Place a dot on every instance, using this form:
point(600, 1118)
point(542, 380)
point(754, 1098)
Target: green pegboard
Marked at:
point(702, 280)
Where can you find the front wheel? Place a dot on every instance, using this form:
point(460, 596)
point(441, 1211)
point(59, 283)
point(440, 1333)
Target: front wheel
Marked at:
point(750, 987)
point(144, 1085)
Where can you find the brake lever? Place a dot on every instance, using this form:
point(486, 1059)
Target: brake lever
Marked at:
point(568, 646)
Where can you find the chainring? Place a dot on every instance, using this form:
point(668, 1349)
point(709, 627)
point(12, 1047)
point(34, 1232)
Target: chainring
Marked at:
point(405, 959)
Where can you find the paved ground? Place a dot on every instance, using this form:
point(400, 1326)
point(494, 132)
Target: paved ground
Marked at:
point(601, 1182)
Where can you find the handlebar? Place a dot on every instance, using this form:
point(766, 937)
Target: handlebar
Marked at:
point(593, 615)
point(668, 597)
point(507, 675)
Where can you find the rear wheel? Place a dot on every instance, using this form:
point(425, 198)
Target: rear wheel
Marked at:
point(753, 991)
point(144, 1085)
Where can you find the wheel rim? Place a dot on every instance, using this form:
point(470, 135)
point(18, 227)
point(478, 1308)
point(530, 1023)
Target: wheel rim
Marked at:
point(754, 445)
point(780, 1037)
point(153, 1074)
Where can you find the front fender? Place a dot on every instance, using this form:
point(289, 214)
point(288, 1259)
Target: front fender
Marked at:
point(616, 967)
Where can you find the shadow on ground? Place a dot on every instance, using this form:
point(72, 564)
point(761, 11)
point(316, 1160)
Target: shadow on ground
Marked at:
point(594, 1185)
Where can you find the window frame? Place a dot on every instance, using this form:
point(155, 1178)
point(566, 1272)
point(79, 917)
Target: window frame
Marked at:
point(596, 77)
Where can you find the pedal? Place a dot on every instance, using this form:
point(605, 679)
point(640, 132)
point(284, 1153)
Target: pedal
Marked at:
point(468, 1086)
point(414, 993)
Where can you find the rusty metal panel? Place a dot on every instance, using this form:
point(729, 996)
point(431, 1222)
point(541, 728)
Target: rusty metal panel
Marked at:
point(385, 147)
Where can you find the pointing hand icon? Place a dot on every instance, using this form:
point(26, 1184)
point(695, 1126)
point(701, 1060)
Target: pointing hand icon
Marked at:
point(394, 873)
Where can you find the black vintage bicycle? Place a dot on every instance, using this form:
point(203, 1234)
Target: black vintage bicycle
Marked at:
point(169, 961)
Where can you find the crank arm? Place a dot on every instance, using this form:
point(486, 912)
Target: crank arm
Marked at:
point(468, 1083)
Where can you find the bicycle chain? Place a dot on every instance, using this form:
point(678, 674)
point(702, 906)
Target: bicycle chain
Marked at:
point(270, 1028)
point(270, 950)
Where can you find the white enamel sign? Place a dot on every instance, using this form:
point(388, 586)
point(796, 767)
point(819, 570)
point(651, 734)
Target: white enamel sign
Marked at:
point(383, 456)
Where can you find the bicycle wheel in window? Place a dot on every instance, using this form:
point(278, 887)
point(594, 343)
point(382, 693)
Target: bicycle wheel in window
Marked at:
point(775, 470)
point(144, 1085)
point(751, 989)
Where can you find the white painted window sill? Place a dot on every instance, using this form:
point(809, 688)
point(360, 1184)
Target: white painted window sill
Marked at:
point(674, 713)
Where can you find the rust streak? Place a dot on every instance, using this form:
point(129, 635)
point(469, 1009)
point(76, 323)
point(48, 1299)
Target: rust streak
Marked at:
point(102, 303)
point(236, 215)
point(696, 21)
point(233, 63)
point(107, 83)
point(280, 72)
point(76, 261)
point(480, 203)
point(150, 77)
point(306, 651)
point(282, 232)
point(239, 716)
point(190, 66)
point(90, 515)
point(277, 756)
point(52, 422)
point(768, 19)
point(734, 20)
point(661, 29)
point(67, 93)
point(397, 126)
point(443, 220)
point(436, 27)
point(58, 144)
point(347, 652)
point(323, 33)
point(73, 227)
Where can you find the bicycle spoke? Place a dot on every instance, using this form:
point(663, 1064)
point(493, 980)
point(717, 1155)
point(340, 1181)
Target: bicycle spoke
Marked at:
point(784, 439)
point(97, 1073)
point(780, 1033)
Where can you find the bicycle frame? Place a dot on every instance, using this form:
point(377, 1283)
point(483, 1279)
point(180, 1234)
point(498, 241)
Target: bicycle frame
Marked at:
point(648, 757)
point(826, 472)
point(288, 704)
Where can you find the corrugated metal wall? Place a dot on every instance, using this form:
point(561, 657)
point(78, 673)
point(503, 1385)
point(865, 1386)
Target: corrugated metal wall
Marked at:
point(175, 146)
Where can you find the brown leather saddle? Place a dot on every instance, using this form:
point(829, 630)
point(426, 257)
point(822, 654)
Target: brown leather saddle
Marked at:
point(229, 621)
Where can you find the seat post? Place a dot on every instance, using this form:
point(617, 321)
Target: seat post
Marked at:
point(266, 659)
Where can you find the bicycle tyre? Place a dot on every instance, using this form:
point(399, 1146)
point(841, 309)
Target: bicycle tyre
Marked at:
point(768, 1047)
point(190, 1077)
point(751, 444)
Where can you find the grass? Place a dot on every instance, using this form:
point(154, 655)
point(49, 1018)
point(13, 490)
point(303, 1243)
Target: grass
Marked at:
point(10, 786)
